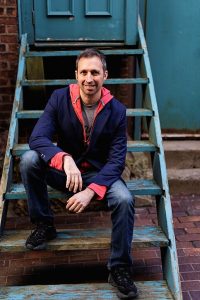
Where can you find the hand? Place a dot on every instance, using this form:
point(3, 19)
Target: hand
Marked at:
point(74, 180)
point(78, 202)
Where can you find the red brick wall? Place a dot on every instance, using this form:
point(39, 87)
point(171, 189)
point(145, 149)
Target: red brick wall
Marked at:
point(8, 61)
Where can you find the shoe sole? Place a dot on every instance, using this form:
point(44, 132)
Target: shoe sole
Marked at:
point(120, 294)
point(42, 246)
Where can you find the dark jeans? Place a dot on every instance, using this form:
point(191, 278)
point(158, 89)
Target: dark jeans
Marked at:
point(36, 175)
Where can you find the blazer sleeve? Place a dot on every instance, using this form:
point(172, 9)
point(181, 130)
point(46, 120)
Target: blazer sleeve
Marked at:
point(41, 139)
point(115, 164)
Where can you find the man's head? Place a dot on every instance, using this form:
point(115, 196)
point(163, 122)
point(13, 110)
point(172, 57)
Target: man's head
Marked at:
point(91, 52)
point(91, 72)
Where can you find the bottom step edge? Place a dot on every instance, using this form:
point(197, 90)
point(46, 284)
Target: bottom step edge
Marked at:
point(151, 290)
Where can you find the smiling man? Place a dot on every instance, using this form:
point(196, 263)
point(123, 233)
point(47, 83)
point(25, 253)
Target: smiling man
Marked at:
point(86, 163)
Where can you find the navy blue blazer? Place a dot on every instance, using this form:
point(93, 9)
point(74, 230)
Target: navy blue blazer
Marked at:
point(107, 148)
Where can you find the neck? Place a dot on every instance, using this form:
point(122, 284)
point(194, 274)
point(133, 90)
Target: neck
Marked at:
point(90, 100)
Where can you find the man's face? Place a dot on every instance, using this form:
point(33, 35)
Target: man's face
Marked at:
point(90, 76)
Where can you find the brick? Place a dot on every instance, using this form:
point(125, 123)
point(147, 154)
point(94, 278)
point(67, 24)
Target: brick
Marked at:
point(188, 237)
point(54, 260)
point(39, 254)
point(12, 271)
point(195, 295)
point(3, 280)
point(11, 255)
point(152, 261)
point(191, 285)
point(197, 224)
point(192, 252)
point(12, 29)
point(4, 263)
point(180, 252)
point(189, 259)
point(11, 2)
point(6, 20)
point(2, 28)
point(184, 225)
point(191, 276)
point(11, 11)
point(2, 10)
point(25, 262)
point(3, 65)
point(185, 268)
point(144, 254)
point(186, 296)
point(2, 47)
point(81, 258)
point(9, 38)
point(196, 244)
point(196, 267)
point(179, 231)
point(148, 270)
point(13, 48)
point(189, 219)
point(184, 244)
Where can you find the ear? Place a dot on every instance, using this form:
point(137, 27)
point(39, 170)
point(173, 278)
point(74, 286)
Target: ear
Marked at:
point(105, 75)
point(76, 75)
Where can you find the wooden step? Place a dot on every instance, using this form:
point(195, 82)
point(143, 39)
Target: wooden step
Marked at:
point(136, 187)
point(64, 82)
point(84, 239)
point(130, 112)
point(151, 290)
point(132, 146)
point(77, 52)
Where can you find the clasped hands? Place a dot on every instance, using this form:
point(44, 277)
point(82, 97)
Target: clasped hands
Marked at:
point(78, 202)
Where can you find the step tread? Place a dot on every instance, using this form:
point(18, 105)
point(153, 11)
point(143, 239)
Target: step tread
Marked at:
point(77, 52)
point(136, 187)
point(132, 146)
point(130, 112)
point(64, 82)
point(84, 239)
point(151, 290)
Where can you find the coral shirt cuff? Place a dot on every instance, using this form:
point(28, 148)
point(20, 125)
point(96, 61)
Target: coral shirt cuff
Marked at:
point(100, 190)
point(57, 161)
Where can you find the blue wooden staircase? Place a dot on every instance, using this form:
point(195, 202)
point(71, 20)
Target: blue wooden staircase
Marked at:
point(145, 112)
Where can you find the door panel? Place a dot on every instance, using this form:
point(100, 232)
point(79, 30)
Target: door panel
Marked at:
point(60, 8)
point(86, 21)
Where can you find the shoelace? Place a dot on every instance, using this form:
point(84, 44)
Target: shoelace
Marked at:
point(123, 276)
point(38, 232)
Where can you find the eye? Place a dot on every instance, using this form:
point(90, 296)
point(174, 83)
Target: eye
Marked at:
point(95, 73)
point(83, 73)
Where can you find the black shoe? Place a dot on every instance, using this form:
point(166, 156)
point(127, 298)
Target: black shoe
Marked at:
point(38, 238)
point(120, 277)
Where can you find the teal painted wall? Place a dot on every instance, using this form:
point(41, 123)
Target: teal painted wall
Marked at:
point(173, 39)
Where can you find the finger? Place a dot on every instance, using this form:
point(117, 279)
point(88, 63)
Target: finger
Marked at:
point(80, 183)
point(68, 180)
point(76, 183)
point(80, 210)
point(73, 206)
point(70, 202)
point(71, 185)
point(78, 207)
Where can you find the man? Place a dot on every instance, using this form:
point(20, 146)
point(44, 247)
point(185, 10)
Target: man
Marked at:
point(87, 162)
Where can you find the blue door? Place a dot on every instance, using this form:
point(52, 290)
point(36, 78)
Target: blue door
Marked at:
point(86, 21)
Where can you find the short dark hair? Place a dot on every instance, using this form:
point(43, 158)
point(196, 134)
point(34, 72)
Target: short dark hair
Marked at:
point(91, 52)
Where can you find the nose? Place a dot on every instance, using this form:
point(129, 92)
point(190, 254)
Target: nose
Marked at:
point(89, 77)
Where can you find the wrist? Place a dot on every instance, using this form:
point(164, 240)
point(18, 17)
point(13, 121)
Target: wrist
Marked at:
point(90, 192)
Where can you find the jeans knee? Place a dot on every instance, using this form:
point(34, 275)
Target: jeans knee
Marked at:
point(28, 160)
point(124, 201)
